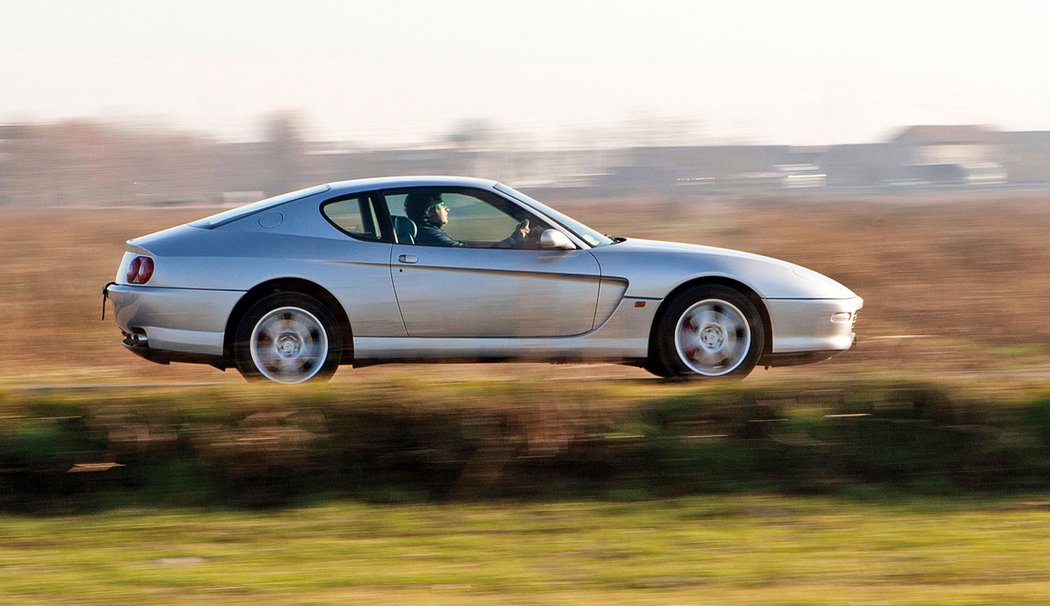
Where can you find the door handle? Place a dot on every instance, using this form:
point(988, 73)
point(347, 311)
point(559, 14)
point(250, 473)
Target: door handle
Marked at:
point(408, 258)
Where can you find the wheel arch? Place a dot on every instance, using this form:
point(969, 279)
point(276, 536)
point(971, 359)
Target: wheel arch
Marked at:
point(737, 285)
point(290, 285)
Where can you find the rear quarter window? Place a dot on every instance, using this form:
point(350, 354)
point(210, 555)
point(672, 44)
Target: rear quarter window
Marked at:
point(355, 217)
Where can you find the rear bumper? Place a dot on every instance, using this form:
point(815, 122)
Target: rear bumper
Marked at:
point(140, 347)
point(170, 323)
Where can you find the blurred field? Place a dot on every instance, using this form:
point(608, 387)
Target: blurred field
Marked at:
point(954, 290)
point(700, 550)
point(952, 287)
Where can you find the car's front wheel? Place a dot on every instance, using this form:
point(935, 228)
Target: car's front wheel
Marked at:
point(288, 338)
point(709, 331)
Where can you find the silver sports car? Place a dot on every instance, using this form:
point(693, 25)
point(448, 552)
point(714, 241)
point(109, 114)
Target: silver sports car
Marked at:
point(457, 269)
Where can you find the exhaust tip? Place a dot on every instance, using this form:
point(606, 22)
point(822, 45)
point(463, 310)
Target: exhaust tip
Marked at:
point(136, 339)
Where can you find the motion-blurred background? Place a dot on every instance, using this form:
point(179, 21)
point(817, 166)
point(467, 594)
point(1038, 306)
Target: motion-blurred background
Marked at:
point(118, 102)
point(900, 147)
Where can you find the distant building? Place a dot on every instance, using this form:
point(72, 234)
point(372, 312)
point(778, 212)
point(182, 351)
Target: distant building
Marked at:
point(951, 155)
point(949, 144)
point(864, 164)
point(1026, 155)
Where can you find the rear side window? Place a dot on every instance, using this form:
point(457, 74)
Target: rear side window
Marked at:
point(356, 217)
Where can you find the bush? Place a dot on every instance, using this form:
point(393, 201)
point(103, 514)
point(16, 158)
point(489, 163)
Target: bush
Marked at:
point(268, 448)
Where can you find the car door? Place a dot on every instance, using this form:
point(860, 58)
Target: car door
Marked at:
point(484, 288)
point(358, 268)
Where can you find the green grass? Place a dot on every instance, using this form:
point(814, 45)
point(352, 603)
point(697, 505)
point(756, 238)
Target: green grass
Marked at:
point(571, 515)
point(697, 550)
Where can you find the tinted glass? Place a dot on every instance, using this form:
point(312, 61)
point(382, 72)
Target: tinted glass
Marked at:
point(588, 235)
point(476, 219)
point(355, 216)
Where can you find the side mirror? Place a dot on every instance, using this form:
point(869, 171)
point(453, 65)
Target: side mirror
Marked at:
point(554, 239)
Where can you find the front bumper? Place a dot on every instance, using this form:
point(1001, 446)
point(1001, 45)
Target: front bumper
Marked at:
point(812, 325)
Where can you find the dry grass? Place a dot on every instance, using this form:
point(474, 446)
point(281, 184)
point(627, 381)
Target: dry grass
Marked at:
point(967, 274)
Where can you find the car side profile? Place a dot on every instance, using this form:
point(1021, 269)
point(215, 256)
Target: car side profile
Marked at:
point(422, 269)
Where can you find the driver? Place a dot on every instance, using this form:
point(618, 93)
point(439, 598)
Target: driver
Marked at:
point(431, 215)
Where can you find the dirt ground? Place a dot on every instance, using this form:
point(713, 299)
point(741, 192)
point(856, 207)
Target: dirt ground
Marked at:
point(953, 283)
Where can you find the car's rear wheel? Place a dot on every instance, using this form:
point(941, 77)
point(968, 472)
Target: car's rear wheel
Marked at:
point(710, 331)
point(288, 338)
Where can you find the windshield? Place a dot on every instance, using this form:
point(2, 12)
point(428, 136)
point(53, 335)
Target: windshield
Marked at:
point(255, 207)
point(588, 235)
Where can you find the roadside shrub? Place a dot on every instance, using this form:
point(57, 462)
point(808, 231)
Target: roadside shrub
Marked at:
point(37, 453)
point(1035, 418)
point(262, 447)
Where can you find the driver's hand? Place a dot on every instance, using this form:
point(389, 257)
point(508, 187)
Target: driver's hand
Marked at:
point(521, 232)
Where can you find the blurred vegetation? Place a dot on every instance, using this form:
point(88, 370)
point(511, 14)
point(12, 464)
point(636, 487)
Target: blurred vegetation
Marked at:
point(262, 446)
point(715, 549)
point(945, 296)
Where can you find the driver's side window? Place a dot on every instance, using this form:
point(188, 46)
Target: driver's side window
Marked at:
point(469, 218)
point(472, 220)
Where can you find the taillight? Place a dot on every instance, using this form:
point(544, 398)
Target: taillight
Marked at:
point(140, 270)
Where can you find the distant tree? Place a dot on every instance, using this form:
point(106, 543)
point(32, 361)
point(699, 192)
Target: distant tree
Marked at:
point(284, 155)
point(472, 134)
point(88, 162)
point(468, 139)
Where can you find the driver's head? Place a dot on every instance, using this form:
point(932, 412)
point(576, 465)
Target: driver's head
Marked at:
point(425, 206)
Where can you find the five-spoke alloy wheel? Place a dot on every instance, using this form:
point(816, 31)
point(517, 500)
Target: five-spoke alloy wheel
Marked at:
point(288, 338)
point(709, 331)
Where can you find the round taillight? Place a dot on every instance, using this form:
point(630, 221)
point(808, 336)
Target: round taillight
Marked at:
point(145, 270)
point(140, 270)
point(133, 269)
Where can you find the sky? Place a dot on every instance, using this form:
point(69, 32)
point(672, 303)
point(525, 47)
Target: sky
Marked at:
point(397, 72)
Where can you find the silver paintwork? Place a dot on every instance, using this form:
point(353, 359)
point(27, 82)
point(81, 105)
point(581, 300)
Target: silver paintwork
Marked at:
point(407, 302)
point(175, 319)
point(521, 293)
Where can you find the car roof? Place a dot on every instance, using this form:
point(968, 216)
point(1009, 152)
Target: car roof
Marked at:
point(338, 188)
point(355, 185)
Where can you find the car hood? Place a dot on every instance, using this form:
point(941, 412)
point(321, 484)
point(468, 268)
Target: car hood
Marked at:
point(653, 268)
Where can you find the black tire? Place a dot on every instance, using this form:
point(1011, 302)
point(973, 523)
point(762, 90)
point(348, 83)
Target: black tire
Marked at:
point(655, 365)
point(709, 331)
point(288, 337)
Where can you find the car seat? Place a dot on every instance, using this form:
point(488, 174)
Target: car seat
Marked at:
point(405, 230)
